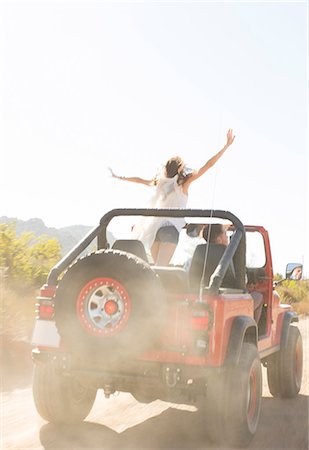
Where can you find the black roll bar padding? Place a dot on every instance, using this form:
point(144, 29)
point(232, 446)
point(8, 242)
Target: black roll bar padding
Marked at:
point(218, 275)
point(171, 212)
point(100, 232)
point(71, 256)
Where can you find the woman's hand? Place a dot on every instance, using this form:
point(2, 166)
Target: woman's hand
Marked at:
point(229, 138)
point(112, 173)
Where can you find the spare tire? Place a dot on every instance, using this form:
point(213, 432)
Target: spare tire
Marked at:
point(110, 301)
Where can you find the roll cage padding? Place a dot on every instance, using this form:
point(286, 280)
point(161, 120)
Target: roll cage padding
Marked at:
point(68, 259)
point(244, 329)
point(236, 249)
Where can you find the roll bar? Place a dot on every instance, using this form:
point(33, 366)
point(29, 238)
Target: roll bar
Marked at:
point(236, 246)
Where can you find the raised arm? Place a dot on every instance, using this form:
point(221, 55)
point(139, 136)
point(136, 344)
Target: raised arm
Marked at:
point(133, 179)
point(211, 162)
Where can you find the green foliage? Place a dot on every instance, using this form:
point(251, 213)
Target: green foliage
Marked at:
point(43, 255)
point(26, 260)
point(295, 293)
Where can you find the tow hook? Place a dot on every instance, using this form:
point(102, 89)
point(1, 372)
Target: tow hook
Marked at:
point(108, 390)
point(171, 376)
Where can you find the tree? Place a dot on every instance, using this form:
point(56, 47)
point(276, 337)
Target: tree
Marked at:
point(26, 259)
point(43, 255)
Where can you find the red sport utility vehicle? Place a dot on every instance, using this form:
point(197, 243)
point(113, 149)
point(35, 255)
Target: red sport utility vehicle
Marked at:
point(111, 320)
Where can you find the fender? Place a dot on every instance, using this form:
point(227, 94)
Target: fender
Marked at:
point(243, 328)
point(289, 317)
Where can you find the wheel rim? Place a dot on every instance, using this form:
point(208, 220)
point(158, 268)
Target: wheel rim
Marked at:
point(252, 400)
point(103, 306)
point(298, 363)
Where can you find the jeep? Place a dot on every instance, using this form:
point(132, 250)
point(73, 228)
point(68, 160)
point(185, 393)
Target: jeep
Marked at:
point(112, 320)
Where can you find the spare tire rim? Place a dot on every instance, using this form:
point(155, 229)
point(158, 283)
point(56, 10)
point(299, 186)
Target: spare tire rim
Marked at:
point(103, 306)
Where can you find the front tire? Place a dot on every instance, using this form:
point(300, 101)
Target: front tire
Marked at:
point(59, 398)
point(284, 368)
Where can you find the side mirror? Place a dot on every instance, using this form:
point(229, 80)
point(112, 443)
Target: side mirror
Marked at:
point(294, 271)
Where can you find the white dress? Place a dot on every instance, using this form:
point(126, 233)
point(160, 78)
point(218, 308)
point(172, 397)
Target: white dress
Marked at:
point(168, 194)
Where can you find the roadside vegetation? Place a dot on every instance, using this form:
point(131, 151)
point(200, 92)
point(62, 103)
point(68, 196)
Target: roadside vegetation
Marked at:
point(25, 262)
point(295, 293)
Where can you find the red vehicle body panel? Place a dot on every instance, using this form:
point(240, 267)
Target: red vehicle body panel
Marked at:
point(182, 330)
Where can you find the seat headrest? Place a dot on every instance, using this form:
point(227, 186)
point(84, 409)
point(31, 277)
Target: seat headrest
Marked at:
point(133, 246)
point(213, 253)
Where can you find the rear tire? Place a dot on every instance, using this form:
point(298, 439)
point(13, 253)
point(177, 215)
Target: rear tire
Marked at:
point(284, 368)
point(58, 398)
point(234, 401)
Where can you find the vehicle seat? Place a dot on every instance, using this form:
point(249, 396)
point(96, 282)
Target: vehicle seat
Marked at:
point(213, 254)
point(133, 246)
point(173, 279)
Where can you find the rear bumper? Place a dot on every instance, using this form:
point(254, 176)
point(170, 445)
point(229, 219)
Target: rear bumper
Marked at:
point(126, 375)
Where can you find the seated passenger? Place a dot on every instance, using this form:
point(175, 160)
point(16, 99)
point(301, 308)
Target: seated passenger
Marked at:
point(217, 234)
point(214, 234)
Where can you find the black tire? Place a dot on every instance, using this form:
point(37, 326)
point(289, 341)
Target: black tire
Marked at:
point(143, 398)
point(284, 368)
point(143, 395)
point(59, 398)
point(110, 302)
point(234, 400)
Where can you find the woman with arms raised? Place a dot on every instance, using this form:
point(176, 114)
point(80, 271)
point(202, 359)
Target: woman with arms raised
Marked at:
point(161, 234)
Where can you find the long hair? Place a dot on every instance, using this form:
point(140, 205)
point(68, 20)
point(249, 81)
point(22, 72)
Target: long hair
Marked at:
point(174, 166)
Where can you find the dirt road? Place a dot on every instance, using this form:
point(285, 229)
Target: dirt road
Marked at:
point(122, 423)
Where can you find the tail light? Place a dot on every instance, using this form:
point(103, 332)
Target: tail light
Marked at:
point(201, 320)
point(45, 306)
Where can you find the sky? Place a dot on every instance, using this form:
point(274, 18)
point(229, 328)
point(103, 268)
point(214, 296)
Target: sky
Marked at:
point(127, 84)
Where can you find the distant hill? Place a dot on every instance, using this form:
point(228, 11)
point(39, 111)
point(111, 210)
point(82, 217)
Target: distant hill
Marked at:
point(67, 236)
